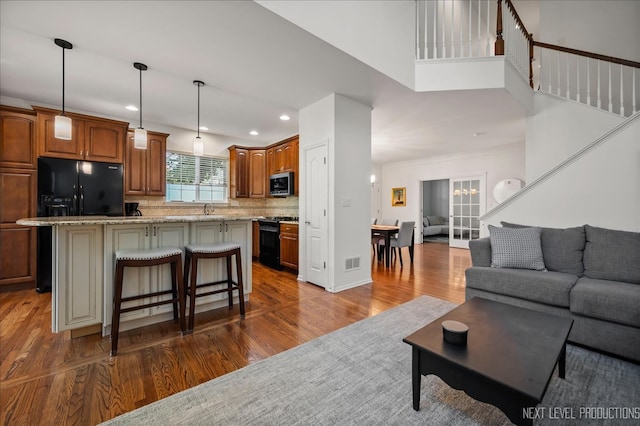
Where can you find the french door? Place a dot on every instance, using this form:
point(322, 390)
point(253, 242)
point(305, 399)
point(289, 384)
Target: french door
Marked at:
point(467, 200)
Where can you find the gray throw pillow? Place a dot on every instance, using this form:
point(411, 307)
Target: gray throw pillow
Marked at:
point(517, 248)
point(562, 248)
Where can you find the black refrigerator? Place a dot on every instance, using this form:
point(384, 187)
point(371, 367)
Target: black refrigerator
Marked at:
point(74, 188)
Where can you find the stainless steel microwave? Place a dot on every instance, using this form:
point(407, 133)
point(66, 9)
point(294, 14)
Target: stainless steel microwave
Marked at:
point(281, 184)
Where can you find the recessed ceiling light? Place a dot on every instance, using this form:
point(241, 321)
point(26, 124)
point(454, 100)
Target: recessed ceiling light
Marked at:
point(254, 133)
point(284, 117)
point(204, 128)
point(132, 108)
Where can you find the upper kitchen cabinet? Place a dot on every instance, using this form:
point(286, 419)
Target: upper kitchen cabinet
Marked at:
point(18, 129)
point(93, 138)
point(250, 168)
point(283, 156)
point(257, 173)
point(238, 172)
point(145, 169)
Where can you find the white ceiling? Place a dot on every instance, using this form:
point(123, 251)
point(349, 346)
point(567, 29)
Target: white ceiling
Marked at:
point(255, 65)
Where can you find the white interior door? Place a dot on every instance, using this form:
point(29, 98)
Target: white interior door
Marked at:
point(466, 204)
point(316, 215)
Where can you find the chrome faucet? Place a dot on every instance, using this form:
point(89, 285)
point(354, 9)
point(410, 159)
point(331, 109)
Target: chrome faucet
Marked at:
point(208, 209)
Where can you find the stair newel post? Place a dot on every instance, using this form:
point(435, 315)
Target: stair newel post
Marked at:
point(531, 60)
point(499, 46)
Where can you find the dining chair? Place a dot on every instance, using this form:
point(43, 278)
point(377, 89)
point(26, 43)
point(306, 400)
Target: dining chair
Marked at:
point(403, 240)
point(377, 239)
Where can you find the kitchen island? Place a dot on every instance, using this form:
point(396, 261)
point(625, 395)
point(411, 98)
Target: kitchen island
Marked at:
point(83, 265)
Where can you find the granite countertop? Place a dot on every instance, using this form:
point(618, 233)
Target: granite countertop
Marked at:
point(122, 220)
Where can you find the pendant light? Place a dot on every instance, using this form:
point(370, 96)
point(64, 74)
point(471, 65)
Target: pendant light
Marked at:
point(62, 123)
point(140, 134)
point(198, 144)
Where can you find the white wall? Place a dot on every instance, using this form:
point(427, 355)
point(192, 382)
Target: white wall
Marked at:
point(379, 33)
point(495, 164)
point(602, 188)
point(345, 125)
point(607, 27)
point(560, 128)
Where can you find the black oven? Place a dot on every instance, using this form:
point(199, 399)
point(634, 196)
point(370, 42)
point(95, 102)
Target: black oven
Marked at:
point(270, 240)
point(270, 243)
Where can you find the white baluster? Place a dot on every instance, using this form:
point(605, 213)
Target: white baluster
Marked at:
point(621, 94)
point(578, 79)
point(426, 28)
point(488, 29)
point(558, 57)
point(479, 29)
point(417, 31)
point(444, 24)
point(568, 93)
point(633, 90)
point(453, 25)
point(548, 73)
point(588, 83)
point(469, 54)
point(610, 97)
point(435, 29)
point(599, 82)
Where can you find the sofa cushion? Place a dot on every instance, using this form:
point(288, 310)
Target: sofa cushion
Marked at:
point(435, 220)
point(612, 255)
point(516, 248)
point(550, 288)
point(562, 249)
point(608, 300)
point(425, 221)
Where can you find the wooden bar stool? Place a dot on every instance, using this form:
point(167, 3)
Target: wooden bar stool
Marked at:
point(144, 258)
point(194, 252)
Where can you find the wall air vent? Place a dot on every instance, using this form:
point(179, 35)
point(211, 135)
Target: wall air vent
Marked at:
point(351, 263)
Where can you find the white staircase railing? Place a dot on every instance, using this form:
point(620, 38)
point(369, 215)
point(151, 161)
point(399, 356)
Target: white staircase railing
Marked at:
point(455, 28)
point(604, 83)
point(447, 29)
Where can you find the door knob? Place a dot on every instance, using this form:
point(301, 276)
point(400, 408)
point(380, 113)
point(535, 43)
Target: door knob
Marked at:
point(307, 222)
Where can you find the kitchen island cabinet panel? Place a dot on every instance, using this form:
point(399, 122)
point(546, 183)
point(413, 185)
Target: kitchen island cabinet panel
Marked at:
point(210, 270)
point(83, 264)
point(77, 293)
point(141, 280)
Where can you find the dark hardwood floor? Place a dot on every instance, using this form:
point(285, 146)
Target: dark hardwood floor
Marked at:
point(51, 379)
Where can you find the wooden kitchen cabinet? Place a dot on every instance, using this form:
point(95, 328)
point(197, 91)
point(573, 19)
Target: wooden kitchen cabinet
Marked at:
point(283, 156)
point(250, 168)
point(18, 148)
point(92, 138)
point(289, 245)
point(18, 192)
point(145, 169)
point(257, 173)
point(238, 172)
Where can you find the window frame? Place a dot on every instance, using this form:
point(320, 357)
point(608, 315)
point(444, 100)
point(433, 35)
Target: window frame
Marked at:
point(197, 170)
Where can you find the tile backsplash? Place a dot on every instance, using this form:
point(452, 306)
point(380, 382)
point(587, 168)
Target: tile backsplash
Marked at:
point(157, 206)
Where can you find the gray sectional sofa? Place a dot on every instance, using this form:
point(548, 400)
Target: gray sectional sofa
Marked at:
point(435, 225)
point(590, 274)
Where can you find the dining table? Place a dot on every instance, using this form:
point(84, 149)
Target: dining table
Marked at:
point(386, 231)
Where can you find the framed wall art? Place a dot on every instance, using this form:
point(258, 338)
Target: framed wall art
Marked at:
point(398, 197)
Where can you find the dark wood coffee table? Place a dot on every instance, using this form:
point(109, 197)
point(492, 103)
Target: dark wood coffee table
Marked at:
point(508, 361)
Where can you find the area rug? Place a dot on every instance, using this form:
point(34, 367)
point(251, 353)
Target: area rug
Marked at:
point(361, 375)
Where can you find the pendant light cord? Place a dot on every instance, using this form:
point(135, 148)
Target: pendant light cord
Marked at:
point(140, 98)
point(198, 110)
point(63, 49)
